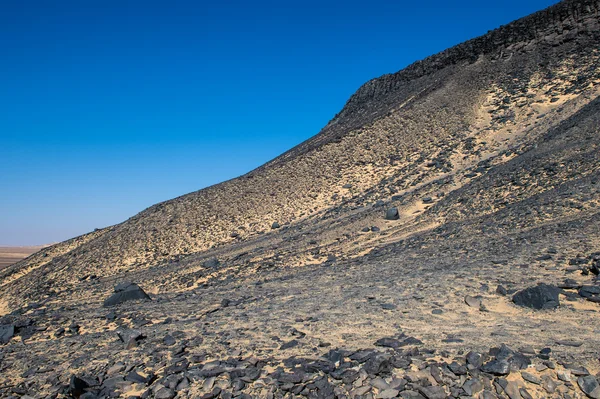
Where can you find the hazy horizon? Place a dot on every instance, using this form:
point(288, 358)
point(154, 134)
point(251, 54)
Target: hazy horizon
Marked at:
point(112, 107)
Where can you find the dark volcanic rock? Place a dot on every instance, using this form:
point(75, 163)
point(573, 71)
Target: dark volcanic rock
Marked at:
point(77, 386)
point(126, 292)
point(590, 386)
point(211, 263)
point(392, 214)
point(539, 297)
point(6, 333)
point(588, 291)
point(496, 367)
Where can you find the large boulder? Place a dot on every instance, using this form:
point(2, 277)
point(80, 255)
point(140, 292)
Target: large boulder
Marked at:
point(540, 297)
point(126, 292)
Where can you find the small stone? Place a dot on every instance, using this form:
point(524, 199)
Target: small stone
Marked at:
point(496, 367)
point(531, 378)
point(169, 340)
point(211, 263)
point(473, 386)
point(77, 386)
point(164, 393)
point(564, 376)
point(572, 343)
point(588, 291)
point(289, 344)
point(387, 394)
point(433, 392)
point(525, 394)
point(388, 343)
point(473, 302)
point(510, 388)
point(474, 359)
point(392, 214)
point(549, 385)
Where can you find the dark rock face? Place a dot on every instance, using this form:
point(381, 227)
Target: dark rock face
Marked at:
point(540, 297)
point(6, 333)
point(392, 214)
point(126, 292)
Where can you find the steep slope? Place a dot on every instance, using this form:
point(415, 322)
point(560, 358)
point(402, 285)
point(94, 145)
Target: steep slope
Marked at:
point(437, 118)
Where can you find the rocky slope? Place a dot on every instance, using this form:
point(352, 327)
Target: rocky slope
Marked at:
point(489, 152)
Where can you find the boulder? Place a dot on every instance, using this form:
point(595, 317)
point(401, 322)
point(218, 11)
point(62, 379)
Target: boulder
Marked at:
point(540, 297)
point(126, 292)
point(6, 333)
point(392, 214)
point(211, 263)
point(588, 291)
point(77, 386)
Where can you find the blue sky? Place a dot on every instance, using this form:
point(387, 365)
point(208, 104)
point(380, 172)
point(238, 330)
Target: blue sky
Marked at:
point(108, 107)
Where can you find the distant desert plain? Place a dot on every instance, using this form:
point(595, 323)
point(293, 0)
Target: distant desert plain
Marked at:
point(10, 255)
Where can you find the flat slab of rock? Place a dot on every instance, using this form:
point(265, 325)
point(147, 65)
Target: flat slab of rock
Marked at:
point(540, 297)
point(126, 292)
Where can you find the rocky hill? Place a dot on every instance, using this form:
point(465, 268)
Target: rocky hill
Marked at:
point(409, 221)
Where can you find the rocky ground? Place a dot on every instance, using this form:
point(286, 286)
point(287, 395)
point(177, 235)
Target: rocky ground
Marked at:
point(439, 238)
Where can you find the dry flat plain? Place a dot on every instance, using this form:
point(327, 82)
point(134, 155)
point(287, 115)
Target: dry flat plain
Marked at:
point(10, 255)
point(439, 238)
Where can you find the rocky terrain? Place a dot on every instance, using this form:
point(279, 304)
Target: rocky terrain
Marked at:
point(440, 237)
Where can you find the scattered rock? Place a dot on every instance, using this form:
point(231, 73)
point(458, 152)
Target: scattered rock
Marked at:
point(589, 385)
point(530, 378)
point(126, 292)
point(496, 367)
point(77, 386)
point(474, 302)
point(289, 344)
point(6, 333)
point(211, 263)
point(275, 225)
point(588, 291)
point(164, 393)
point(392, 214)
point(500, 290)
point(540, 297)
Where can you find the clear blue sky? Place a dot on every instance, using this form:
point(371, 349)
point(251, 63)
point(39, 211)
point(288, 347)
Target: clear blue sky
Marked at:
point(107, 107)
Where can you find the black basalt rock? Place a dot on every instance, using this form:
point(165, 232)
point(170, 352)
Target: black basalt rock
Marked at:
point(126, 292)
point(540, 297)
